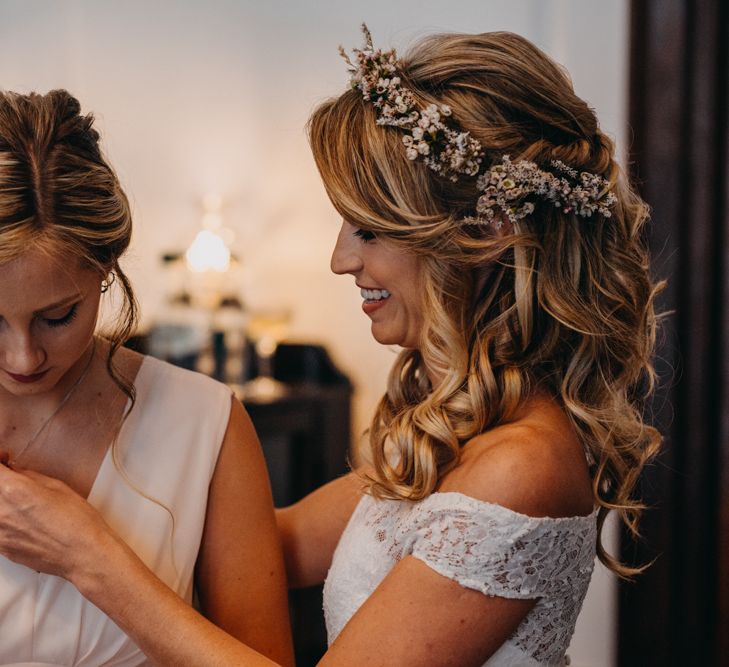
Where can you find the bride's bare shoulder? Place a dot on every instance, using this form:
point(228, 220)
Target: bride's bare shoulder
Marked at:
point(534, 465)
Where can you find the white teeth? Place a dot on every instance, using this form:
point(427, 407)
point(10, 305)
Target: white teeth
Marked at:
point(374, 294)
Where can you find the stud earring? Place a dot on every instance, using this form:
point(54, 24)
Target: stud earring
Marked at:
point(107, 282)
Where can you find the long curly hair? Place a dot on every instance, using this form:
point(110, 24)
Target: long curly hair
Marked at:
point(560, 304)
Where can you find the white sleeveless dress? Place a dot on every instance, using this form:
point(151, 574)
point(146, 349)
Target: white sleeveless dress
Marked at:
point(480, 545)
point(168, 447)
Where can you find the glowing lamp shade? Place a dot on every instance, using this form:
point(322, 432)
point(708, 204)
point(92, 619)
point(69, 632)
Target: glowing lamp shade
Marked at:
point(208, 252)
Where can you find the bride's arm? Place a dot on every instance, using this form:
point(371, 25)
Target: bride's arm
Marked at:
point(310, 529)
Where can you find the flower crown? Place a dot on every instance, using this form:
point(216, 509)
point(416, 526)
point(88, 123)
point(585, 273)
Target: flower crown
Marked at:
point(509, 189)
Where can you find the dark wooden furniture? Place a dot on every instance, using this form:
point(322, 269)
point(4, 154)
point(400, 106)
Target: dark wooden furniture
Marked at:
point(306, 433)
point(305, 437)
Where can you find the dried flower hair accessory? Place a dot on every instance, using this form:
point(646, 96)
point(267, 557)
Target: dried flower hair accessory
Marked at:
point(511, 189)
point(445, 150)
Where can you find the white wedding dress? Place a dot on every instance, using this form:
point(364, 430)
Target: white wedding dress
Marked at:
point(480, 545)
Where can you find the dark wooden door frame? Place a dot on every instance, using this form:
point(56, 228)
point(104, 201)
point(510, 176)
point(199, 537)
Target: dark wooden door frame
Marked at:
point(677, 613)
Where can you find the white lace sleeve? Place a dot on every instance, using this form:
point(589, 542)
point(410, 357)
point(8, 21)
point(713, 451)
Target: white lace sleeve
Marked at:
point(497, 551)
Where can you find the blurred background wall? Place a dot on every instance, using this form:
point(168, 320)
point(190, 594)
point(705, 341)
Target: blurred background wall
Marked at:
point(200, 98)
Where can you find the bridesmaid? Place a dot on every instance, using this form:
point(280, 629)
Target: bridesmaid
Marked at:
point(166, 457)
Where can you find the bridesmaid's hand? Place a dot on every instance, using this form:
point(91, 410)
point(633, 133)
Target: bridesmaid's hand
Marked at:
point(45, 525)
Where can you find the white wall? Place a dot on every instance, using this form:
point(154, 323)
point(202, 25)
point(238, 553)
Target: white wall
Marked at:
point(199, 97)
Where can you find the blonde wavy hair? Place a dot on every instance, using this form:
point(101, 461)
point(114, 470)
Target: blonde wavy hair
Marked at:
point(560, 304)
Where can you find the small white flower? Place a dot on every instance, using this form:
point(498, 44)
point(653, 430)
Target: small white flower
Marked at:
point(451, 153)
point(432, 113)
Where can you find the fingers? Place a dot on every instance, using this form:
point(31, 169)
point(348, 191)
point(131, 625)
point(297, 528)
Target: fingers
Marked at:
point(31, 474)
point(7, 470)
point(44, 480)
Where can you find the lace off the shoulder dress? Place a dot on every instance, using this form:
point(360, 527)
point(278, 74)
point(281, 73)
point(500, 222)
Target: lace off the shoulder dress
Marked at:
point(480, 545)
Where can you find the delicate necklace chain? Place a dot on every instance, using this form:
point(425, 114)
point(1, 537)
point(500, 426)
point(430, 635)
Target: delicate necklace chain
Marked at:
point(63, 402)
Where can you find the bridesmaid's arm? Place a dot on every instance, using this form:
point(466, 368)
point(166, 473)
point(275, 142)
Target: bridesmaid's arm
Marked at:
point(240, 574)
point(169, 631)
point(47, 526)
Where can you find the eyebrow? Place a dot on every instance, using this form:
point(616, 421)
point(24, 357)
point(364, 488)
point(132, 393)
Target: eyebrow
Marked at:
point(67, 301)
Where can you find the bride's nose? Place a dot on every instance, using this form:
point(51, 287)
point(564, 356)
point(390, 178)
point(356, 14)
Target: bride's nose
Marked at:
point(346, 257)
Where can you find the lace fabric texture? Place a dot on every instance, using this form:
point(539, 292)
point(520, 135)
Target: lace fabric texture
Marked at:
point(480, 545)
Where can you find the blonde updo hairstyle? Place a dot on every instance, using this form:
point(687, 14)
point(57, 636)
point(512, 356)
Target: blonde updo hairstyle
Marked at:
point(559, 304)
point(59, 194)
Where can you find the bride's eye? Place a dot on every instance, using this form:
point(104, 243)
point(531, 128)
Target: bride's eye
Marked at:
point(365, 235)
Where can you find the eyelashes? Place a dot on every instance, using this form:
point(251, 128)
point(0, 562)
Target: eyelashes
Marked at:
point(365, 235)
point(65, 320)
